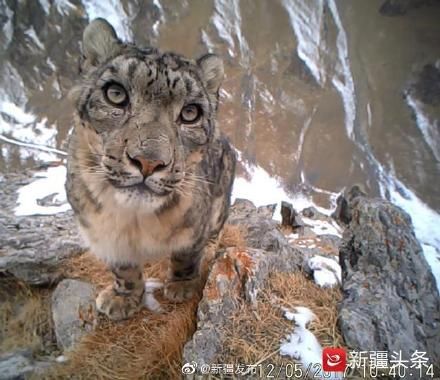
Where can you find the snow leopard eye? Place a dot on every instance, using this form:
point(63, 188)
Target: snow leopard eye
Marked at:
point(190, 114)
point(116, 94)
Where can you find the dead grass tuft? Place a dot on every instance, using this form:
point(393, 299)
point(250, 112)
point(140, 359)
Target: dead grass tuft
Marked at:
point(25, 320)
point(148, 346)
point(254, 336)
point(233, 236)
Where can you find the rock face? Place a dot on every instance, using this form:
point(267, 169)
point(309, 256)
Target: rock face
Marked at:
point(289, 216)
point(18, 365)
point(239, 274)
point(391, 302)
point(73, 311)
point(262, 232)
point(236, 274)
point(33, 248)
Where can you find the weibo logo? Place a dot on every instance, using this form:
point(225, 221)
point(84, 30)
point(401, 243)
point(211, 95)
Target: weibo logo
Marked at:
point(334, 359)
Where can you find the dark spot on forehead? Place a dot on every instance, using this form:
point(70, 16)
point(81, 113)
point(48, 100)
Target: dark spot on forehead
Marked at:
point(173, 85)
point(132, 68)
point(188, 86)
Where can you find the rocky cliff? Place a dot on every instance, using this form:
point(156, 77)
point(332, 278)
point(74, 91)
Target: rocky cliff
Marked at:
point(369, 290)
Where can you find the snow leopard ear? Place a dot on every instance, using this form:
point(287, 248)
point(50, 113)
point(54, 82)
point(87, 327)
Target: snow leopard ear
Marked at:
point(100, 42)
point(212, 71)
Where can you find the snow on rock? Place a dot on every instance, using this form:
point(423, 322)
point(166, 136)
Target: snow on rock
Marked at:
point(44, 196)
point(323, 227)
point(263, 189)
point(425, 221)
point(23, 129)
point(114, 12)
point(326, 271)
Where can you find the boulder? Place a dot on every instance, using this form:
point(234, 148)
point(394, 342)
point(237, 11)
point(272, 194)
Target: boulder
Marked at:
point(73, 311)
point(34, 247)
point(289, 216)
point(342, 212)
point(264, 233)
point(237, 275)
point(391, 302)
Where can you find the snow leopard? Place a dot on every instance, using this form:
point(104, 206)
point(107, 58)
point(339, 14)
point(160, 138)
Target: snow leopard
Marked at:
point(149, 174)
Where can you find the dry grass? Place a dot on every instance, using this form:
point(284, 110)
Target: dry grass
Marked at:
point(254, 335)
point(233, 236)
point(148, 346)
point(25, 320)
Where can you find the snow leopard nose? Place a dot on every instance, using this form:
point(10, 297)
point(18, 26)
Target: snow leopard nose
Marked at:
point(146, 166)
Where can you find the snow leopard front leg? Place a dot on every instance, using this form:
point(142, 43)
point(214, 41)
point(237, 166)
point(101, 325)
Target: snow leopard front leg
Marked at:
point(124, 297)
point(183, 280)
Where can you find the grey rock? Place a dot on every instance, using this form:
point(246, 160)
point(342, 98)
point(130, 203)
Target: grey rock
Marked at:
point(394, 8)
point(306, 232)
point(73, 311)
point(238, 275)
point(425, 86)
point(342, 213)
point(312, 213)
point(391, 302)
point(264, 233)
point(267, 210)
point(17, 365)
point(289, 216)
point(34, 248)
point(422, 95)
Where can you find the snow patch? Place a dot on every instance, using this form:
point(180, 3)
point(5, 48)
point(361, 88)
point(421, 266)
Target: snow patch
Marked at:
point(45, 5)
point(306, 20)
point(424, 219)
point(51, 64)
point(343, 81)
point(61, 359)
point(64, 6)
point(210, 47)
point(33, 36)
point(430, 130)
point(262, 189)
point(15, 112)
point(326, 271)
point(48, 183)
point(302, 315)
point(8, 27)
point(323, 227)
point(113, 12)
point(25, 131)
point(227, 21)
point(161, 20)
point(302, 344)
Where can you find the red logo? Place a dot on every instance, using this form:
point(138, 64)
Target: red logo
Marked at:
point(334, 359)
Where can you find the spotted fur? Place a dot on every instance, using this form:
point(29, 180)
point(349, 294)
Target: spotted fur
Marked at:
point(143, 182)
